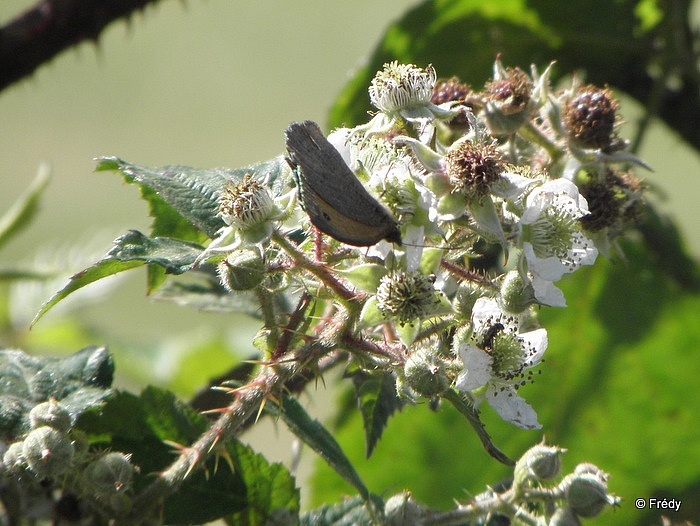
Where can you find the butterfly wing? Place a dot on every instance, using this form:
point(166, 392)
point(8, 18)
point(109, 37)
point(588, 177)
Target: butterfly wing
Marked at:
point(337, 203)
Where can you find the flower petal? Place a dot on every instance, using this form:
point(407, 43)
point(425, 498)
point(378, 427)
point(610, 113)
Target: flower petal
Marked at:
point(477, 368)
point(512, 408)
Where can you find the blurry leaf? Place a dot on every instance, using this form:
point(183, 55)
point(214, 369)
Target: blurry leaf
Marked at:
point(213, 297)
point(194, 369)
point(129, 251)
point(176, 192)
point(79, 381)
point(22, 211)
point(376, 396)
point(365, 277)
point(209, 494)
point(317, 437)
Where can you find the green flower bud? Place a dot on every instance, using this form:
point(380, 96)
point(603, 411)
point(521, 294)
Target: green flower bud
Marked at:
point(109, 476)
point(541, 462)
point(516, 294)
point(52, 414)
point(241, 270)
point(587, 494)
point(49, 452)
point(426, 373)
point(588, 468)
point(466, 296)
point(13, 459)
point(402, 509)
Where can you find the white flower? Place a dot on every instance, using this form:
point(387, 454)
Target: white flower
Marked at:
point(403, 92)
point(405, 89)
point(497, 362)
point(552, 240)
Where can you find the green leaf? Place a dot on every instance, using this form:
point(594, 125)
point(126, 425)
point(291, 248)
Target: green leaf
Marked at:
point(250, 491)
point(430, 260)
point(371, 315)
point(317, 437)
point(129, 251)
point(174, 255)
point(23, 210)
point(408, 332)
point(271, 493)
point(131, 422)
point(177, 192)
point(376, 396)
point(79, 381)
point(365, 277)
point(347, 513)
point(488, 222)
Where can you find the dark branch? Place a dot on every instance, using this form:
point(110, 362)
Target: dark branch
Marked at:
point(50, 26)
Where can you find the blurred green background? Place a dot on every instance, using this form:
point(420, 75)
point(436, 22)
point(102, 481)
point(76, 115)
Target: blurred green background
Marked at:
point(215, 83)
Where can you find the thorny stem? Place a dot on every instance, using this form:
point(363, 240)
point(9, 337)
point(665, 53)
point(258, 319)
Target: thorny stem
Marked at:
point(394, 355)
point(283, 342)
point(466, 274)
point(191, 459)
point(345, 296)
point(503, 502)
point(247, 402)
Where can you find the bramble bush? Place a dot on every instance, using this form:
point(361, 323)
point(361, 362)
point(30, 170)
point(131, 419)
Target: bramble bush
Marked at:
point(418, 252)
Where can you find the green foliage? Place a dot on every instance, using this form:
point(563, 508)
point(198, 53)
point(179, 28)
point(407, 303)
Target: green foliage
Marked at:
point(23, 210)
point(320, 440)
point(610, 41)
point(377, 400)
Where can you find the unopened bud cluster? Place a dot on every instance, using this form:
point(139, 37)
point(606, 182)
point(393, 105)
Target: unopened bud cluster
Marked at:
point(52, 450)
point(540, 495)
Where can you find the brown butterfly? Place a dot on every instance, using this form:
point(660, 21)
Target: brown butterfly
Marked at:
point(335, 200)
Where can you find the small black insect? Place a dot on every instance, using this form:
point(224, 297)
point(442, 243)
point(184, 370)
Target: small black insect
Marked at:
point(487, 343)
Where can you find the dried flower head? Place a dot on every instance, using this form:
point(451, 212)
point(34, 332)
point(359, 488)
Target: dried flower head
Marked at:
point(511, 93)
point(473, 168)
